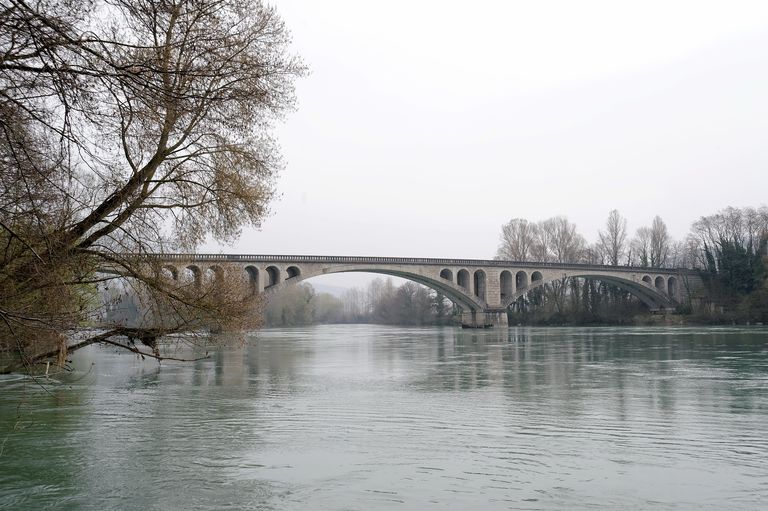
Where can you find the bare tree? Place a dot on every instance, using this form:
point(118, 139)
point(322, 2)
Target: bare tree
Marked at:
point(660, 243)
point(651, 245)
point(641, 247)
point(354, 304)
point(518, 237)
point(680, 255)
point(613, 241)
point(594, 254)
point(560, 240)
point(129, 127)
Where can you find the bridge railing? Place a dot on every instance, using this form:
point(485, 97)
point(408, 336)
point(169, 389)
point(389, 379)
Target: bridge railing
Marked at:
point(251, 258)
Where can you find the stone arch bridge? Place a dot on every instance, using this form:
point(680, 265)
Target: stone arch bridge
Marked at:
point(483, 289)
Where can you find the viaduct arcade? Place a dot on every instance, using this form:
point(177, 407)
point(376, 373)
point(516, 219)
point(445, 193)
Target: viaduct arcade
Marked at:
point(483, 289)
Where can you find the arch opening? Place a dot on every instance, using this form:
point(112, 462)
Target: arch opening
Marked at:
point(446, 274)
point(536, 278)
point(214, 275)
point(292, 272)
point(479, 278)
point(462, 279)
point(446, 289)
point(192, 275)
point(649, 296)
point(647, 280)
point(169, 272)
point(521, 280)
point(672, 288)
point(660, 284)
point(253, 279)
point(273, 276)
point(460, 296)
point(506, 286)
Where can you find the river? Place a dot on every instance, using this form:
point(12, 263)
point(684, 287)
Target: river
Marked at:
point(370, 417)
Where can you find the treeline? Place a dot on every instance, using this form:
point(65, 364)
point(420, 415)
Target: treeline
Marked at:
point(380, 302)
point(558, 240)
point(728, 249)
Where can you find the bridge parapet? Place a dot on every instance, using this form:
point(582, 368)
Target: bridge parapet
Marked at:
point(401, 260)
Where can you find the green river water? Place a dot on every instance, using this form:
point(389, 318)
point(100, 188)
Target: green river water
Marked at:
point(363, 417)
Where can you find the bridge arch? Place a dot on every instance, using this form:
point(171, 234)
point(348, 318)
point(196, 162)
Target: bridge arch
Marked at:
point(252, 274)
point(650, 296)
point(480, 284)
point(457, 294)
point(462, 279)
point(214, 274)
point(672, 290)
point(446, 274)
point(273, 276)
point(169, 271)
point(521, 280)
point(506, 285)
point(192, 275)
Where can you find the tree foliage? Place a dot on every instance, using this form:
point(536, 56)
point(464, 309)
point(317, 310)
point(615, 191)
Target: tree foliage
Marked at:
point(408, 304)
point(292, 306)
point(129, 127)
point(730, 249)
point(380, 302)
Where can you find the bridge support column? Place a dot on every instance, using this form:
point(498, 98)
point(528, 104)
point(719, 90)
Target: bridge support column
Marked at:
point(493, 288)
point(487, 319)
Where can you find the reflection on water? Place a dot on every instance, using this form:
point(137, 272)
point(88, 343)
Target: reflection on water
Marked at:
point(368, 417)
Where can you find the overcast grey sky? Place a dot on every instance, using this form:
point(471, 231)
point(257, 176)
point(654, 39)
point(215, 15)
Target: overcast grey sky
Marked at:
point(426, 125)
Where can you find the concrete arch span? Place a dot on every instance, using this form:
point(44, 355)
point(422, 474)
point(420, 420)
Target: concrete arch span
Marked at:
point(649, 296)
point(453, 292)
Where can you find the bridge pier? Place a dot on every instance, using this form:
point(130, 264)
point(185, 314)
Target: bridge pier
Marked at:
point(484, 319)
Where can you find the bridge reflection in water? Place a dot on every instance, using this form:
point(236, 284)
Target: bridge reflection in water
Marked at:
point(483, 289)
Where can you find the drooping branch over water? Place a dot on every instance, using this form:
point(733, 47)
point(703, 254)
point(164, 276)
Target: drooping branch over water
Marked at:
point(130, 127)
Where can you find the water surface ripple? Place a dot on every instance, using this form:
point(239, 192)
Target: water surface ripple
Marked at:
point(369, 417)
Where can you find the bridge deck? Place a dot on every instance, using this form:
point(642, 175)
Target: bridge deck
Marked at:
point(252, 258)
